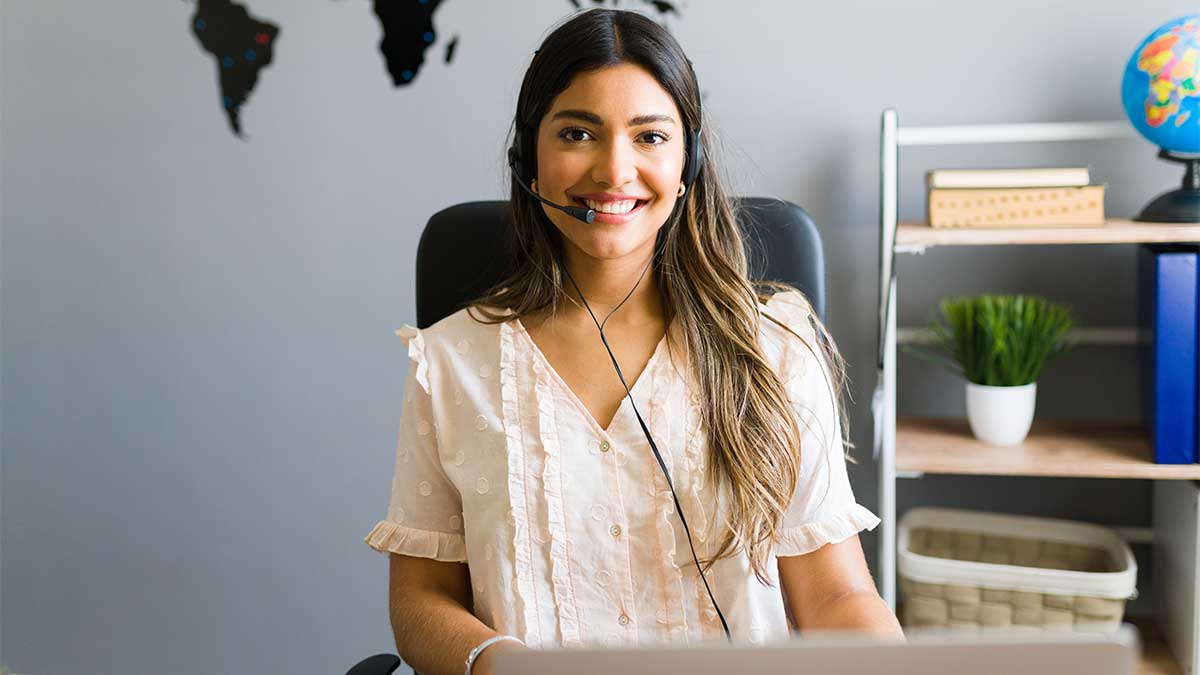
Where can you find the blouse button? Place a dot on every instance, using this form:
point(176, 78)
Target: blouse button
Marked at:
point(604, 446)
point(615, 530)
point(624, 620)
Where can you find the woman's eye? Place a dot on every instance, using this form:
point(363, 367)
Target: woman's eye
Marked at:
point(569, 134)
point(650, 134)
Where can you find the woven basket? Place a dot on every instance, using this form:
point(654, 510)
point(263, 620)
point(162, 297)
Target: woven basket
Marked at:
point(967, 569)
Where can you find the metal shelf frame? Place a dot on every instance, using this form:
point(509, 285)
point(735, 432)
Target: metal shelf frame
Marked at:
point(883, 402)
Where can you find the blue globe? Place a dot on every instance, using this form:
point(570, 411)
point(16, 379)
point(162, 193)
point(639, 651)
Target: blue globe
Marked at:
point(1161, 87)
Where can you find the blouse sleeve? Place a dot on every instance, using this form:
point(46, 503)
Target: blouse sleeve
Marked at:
point(424, 517)
point(823, 509)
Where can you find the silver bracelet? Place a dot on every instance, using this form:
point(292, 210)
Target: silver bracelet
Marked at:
point(484, 645)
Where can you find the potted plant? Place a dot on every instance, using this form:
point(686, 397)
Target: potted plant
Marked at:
point(999, 345)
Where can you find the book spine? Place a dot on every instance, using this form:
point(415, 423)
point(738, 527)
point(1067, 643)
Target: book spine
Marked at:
point(1016, 207)
point(1170, 293)
point(1008, 178)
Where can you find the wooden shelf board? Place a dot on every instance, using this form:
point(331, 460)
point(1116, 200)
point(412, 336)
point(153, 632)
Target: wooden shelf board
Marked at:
point(1054, 447)
point(1114, 231)
point(1157, 658)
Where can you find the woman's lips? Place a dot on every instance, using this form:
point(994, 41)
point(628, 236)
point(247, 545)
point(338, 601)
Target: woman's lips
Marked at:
point(615, 218)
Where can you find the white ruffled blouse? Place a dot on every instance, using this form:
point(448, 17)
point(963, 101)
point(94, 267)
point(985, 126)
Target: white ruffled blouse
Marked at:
point(569, 529)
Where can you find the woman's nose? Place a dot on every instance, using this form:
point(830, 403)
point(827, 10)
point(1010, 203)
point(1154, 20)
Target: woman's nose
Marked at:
point(615, 164)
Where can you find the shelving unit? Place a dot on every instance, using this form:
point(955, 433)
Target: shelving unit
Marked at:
point(912, 447)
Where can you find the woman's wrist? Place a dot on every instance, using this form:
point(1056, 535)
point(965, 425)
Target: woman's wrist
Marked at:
point(480, 661)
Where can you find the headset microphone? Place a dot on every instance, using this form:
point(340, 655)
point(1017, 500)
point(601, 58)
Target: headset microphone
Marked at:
point(586, 215)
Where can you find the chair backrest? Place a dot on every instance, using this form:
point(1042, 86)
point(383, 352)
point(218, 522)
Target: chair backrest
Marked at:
point(464, 250)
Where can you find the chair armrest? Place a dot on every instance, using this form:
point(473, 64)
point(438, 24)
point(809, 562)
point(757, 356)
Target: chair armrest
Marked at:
point(380, 664)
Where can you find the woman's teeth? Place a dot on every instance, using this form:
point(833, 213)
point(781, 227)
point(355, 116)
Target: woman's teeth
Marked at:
point(620, 207)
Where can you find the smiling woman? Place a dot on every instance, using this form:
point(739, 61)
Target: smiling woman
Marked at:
point(596, 522)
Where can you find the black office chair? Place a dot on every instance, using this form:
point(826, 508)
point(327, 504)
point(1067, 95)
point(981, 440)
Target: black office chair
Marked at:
point(464, 250)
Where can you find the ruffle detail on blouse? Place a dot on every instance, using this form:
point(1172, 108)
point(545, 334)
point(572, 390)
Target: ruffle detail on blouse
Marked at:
point(695, 446)
point(391, 537)
point(833, 529)
point(524, 591)
point(664, 512)
point(693, 451)
point(415, 341)
point(552, 474)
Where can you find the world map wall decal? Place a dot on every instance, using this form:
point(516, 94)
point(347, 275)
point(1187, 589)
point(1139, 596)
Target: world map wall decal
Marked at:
point(242, 45)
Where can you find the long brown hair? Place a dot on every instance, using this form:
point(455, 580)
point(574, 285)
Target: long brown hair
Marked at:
point(701, 274)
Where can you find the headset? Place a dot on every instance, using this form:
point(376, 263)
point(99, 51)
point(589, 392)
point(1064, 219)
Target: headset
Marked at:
point(521, 148)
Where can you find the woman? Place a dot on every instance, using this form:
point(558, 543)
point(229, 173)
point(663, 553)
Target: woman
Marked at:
point(520, 452)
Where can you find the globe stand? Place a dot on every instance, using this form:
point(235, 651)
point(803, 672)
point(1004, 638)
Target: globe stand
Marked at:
point(1177, 206)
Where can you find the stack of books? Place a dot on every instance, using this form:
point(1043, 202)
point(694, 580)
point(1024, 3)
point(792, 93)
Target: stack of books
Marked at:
point(1033, 197)
point(1168, 298)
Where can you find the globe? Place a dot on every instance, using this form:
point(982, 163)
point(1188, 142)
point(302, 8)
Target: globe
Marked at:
point(1161, 87)
point(1161, 96)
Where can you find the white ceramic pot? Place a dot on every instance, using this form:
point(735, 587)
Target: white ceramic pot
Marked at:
point(1000, 415)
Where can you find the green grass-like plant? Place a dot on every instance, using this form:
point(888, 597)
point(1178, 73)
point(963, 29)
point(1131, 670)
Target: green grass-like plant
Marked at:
point(998, 340)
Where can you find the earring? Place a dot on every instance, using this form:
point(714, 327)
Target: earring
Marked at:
point(682, 189)
point(534, 185)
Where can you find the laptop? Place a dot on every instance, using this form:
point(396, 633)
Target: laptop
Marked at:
point(925, 653)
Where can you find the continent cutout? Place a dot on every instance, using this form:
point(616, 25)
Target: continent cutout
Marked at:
point(407, 33)
point(242, 46)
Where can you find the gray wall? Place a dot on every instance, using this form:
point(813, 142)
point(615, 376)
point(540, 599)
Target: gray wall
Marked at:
point(200, 385)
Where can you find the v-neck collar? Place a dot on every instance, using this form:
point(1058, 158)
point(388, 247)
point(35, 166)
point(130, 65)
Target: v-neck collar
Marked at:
point(646, 374)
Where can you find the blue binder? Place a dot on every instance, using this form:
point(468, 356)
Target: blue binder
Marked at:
point(1168, 292)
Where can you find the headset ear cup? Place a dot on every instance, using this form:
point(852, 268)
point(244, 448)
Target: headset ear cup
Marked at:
point(515, 152)
point(514, 162)
point(695, 158)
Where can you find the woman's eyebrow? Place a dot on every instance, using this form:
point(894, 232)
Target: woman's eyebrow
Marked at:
point(593, 118)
